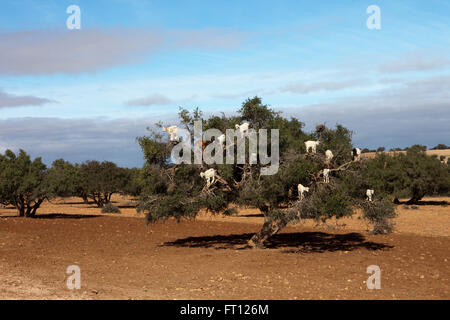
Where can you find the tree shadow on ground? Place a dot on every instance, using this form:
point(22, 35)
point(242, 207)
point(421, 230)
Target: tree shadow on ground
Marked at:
point(65, 216)
point(298, 242)
point(127, 206)
point(425, 203)
point(254, 215)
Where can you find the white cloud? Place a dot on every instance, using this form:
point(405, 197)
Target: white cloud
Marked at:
point(323, 86)
point(415, 62)
point(43, 52)
point(152, 100)
point(10, 100)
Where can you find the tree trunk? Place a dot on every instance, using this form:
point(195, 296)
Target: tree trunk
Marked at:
point(268, 229)
point(85, 199)
point(415, 199)
point(34, 208)
point(20, 205)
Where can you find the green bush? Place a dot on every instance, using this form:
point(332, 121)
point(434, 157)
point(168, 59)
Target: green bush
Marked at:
point(379, 213)
point(110, 208)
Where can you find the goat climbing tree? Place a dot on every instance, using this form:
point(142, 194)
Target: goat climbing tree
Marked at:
point(178, 191)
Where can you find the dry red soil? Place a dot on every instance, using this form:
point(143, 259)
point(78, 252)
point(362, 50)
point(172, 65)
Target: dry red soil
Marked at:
point(121, 258)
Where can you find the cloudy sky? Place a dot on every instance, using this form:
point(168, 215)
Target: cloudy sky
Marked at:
point(88, 93)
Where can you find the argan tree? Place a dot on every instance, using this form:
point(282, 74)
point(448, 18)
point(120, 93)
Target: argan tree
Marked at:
point(100, 180)
point(412, 175)
point(178, 191)
point(67, 180)
point(24, 182)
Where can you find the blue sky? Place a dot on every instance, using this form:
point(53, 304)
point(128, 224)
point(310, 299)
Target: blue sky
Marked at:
point(135, 62)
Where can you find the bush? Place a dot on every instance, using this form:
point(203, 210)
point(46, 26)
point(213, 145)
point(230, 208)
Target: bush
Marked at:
point(379, 213)
point(383, 226)
point(110, 208)
point(414, 207)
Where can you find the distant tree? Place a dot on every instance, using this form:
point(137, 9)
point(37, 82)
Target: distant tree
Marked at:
point(441, 147)
point(23, 182)
point(365, 150)
point(417, 148)
point(396, 149)
point(133, 182)
point(412, 175)
point(178, 191)
point(101, 180)
point(381, 149)
point(66, 180)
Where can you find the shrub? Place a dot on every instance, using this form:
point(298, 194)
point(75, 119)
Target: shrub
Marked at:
point(379, 213)
point(414, 207)
point(110, 208)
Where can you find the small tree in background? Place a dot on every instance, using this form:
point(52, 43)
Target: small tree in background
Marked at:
point(441, 147)
point(100, 180)
point(23, 182)
point(412, 175)
point(66, 180)
point(133, 184)
point(178, 190)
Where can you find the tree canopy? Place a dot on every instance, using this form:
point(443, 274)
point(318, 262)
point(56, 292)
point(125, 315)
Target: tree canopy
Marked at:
point(24, 182)
point(178, 191)
point(412, 175)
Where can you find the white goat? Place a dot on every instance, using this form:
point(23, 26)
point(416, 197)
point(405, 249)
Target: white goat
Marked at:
point(328, 156)
point(326, 175)
point(356, 154)
point(243, 128)
point(369, 194)
point(173, 132)
point(253, 158)
point(302, 190)
point(209, 175)
point(311, 144)
point(221, 139)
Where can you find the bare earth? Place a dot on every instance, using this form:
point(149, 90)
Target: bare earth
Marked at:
point(121, 258)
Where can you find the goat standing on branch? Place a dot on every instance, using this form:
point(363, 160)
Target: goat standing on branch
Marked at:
point(356, 154)
point(243, 128)
point(369, 194)
point(301, 191)
point(311, 145)
point(326, 175)
point(173, 132)
point(210, 176)
point(328, 156)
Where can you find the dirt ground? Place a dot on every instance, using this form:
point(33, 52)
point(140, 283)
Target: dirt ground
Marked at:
point(121, 258)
